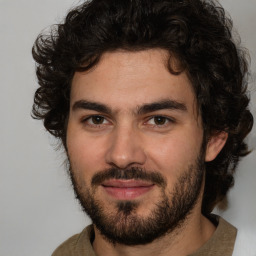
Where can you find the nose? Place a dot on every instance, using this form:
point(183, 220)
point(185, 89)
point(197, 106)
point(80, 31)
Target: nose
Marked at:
point(125, 148)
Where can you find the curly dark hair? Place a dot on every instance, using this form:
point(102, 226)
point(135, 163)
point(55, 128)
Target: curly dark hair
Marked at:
point(198, 33)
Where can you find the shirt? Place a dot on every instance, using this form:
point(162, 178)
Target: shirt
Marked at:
point(221, 243)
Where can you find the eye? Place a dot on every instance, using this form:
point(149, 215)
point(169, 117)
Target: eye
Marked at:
point(159, 121)
point(95, 120)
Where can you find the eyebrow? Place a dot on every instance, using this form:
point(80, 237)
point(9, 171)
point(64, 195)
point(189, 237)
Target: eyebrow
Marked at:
point(163, 104)
point(144, 109)
point(83, 104)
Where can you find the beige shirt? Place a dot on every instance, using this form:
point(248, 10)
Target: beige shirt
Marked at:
point(221, 243)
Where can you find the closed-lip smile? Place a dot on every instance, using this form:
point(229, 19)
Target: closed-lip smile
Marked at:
point(126, 189)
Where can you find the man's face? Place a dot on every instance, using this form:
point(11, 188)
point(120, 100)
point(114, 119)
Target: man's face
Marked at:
point(134, 142)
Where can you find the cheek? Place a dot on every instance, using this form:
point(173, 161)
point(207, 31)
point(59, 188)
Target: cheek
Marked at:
point(85, 154)
point(173, 154)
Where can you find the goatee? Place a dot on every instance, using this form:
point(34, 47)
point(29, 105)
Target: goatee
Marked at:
point(123, 225)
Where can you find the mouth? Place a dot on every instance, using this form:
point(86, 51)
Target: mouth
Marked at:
point(126, 189)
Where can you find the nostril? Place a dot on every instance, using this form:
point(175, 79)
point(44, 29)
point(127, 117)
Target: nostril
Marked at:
point(127, 158)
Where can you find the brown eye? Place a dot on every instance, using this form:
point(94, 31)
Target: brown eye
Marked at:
point(160, 120)
point(97, 119)
point(96, 122)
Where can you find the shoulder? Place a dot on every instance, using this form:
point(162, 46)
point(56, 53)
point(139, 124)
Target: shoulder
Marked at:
point(225, 235)
point(222, 241)
point(67, 247)
point(76, 245)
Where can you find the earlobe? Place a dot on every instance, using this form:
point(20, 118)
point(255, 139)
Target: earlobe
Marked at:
point(215, 145)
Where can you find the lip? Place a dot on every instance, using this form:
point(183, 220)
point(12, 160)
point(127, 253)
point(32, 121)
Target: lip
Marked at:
point(126, 189)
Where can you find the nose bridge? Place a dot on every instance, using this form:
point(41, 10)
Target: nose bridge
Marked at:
point(125, 147)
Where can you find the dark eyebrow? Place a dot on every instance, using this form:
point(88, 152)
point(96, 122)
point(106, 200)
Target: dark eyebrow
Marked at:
point(144, 109)
point(83, 104)
point(163, 104)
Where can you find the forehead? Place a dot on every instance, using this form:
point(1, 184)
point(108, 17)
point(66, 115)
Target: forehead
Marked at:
point(129, 79)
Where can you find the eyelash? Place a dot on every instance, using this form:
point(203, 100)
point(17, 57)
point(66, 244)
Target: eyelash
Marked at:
point(86, 120)
point(167, 121)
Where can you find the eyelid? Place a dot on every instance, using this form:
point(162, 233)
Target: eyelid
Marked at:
point(169, 120)
point(86, 120)
point(88, 117)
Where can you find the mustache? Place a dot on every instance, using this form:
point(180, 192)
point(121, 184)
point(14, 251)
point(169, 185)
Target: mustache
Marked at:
point(135, 173)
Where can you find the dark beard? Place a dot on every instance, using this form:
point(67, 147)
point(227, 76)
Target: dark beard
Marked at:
point(125, 226)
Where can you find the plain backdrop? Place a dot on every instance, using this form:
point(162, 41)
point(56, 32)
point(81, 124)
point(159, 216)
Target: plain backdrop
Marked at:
point(37, 206)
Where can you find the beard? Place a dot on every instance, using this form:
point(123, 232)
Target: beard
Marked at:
point(123, 225)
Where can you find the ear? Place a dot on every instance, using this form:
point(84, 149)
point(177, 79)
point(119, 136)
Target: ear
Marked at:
point(215, 145)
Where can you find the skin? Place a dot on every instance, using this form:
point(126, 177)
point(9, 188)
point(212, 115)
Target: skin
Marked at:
point(123, 137)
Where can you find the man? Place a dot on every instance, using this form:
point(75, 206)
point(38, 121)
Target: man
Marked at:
point(148, 98)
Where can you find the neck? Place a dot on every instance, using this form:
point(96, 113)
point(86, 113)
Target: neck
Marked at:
point(194, 232)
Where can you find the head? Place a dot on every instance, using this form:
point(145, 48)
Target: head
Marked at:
point(147, 40)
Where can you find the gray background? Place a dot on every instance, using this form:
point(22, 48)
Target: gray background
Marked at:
point(37, 206)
